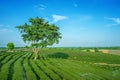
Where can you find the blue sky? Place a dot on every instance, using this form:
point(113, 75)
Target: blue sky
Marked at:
point(83, 23)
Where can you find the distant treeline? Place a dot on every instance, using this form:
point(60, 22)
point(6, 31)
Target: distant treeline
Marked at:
point(86, 47)
point(118, 47)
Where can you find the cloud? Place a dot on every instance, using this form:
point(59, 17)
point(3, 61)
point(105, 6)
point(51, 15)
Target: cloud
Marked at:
point(5, 28)
point(110, 25)
point(1, 25)
point(115, 20)
point(41, 7)
point(57, 18)
point(75, 5)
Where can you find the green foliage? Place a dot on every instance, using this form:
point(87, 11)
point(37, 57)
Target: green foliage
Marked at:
point(52, 75)
point(79, 65)
point(10, 46)
point(29, 73)
point(5, 69)
point(18, 73)
point(26, 47)
point(88, 50)
point(39, 33)
point(96, 49)
point(38, 71)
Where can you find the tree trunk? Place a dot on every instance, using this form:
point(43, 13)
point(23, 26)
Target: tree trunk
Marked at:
point(35, 51)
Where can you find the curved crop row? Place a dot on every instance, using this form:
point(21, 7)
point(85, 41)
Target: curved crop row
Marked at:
point(39, 72)
point(6, 69)
point(57, 71)
point(2, 59)
point(29, 73)
point(18, 71)
point(7, 58)
point(65, 69)
point(47, 70)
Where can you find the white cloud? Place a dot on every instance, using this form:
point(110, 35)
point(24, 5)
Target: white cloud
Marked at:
point(75, 5)
point(41, 7)
point(5, 28)
point(57, 18)
point(1, 25)
point(110, 25)
point(115, 20)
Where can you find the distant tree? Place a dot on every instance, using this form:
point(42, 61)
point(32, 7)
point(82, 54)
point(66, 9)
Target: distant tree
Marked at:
point(88, 50)
point(26, 47)
point(39, 33)
point(96, 49)
point(10, 46)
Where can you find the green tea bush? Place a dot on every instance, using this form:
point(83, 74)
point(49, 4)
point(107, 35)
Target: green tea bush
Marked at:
point(10, 46)
point(88, 50)
point(29, 73)
point(79, 65)
point(40, 73)
point(48, 71)
point(18, 71)
point(96, 50)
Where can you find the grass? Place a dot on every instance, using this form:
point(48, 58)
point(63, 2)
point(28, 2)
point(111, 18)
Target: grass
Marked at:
point(59, 64)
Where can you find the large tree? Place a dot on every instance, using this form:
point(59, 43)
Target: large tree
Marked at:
point(39, 33)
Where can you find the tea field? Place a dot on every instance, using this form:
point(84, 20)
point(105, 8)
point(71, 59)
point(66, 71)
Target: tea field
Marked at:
point(59, 64)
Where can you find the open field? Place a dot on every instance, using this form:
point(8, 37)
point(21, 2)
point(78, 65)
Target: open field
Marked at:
point(59, 64)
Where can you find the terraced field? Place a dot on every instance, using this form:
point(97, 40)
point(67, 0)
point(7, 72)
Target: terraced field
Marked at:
point(59, 64)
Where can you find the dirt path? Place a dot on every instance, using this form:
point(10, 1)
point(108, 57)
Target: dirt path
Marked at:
point(116, 52)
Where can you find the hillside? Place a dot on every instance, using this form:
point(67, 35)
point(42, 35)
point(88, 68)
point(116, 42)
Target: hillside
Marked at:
point(59, 64)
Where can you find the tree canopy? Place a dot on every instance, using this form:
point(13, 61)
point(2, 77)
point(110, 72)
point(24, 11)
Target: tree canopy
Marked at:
point(39, 33)
point(10, 46)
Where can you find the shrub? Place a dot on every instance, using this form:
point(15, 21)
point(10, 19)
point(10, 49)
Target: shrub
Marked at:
point(10, 46)
point(27, 47)
point(96, 50)
point(87, 50)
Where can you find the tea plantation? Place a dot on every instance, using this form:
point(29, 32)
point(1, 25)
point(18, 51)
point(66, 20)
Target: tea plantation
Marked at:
point(59, 64)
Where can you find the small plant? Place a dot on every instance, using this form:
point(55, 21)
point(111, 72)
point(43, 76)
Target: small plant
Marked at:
point(87, 50)
point(96, 50)
point(27, 47)
point(10, 46)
